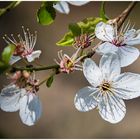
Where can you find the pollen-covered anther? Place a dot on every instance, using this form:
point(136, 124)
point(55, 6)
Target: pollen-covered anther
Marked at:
point(105, 87)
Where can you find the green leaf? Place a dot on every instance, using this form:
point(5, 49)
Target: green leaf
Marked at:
point(76, 29)
point(67, 40)
point(50, 81)
point(46, 14)
point(7, 53)
point(102, 11)
point(3, 67)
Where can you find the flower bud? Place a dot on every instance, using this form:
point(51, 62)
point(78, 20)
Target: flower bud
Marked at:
point(26, 74)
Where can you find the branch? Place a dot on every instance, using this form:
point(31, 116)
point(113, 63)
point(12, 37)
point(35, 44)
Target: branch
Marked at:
point(119, 19)
point(56, 67)
point(11, 6)
point(123, 16)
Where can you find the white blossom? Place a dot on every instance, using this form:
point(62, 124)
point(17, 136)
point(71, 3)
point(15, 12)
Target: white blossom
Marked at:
point(108, 88)
point(63, 6)
point(120, 42)
point(25, 100)
point(24, 47)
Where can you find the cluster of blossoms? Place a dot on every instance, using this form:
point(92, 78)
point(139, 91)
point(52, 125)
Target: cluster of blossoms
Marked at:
point(21, 94)
point(109, 87)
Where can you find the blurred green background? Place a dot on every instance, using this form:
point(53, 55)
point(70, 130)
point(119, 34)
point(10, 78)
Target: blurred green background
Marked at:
point(60, 119)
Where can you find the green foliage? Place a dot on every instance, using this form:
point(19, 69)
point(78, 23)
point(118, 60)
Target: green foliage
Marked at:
point(50, 81)
point(7, 52)
point(76, 29)
point(46, 13)
point(102, 11)
point(5, 58)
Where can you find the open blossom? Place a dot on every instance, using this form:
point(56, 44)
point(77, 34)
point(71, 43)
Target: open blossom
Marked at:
point(22, 96)
point(24, 47)
point(63, 6)
point(69, 64)
point(119, 42)
point(108, 88)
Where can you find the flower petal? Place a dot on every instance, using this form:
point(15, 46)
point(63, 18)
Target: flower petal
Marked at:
point(14, 59)
point(30, 109)
point(33, 55)
point(104, 32)
point(110, 66)
point(92, 72)
point(78, 3)
point(85, 99)
point(106, 47)
point(132, 37)
point(111, 108)
point(127, 55)
point(127, 85)
point(62, 7)
point(10, 97)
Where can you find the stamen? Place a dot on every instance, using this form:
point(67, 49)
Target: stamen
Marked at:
point(128, 24)
point(34, 40)
point(60, 55)
point(13, 38)
point(26, 38)
point(7, 38)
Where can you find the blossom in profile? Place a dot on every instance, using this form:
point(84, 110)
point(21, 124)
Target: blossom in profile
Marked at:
point(69, 64)
point(63, 6)
point(24, 46)
point(22, 96)
point(119, 42)
point(107, 88)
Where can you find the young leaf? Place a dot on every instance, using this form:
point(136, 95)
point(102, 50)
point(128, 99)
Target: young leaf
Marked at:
point(75, 29)
point(46, 14)
point(102, 11)
point(3, 67)
point(50, 81)
point(67, 40)
point(85, 26)
point(7, 53)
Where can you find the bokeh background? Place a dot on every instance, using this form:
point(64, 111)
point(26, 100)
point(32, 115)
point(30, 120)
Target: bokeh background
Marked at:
point(60, 119)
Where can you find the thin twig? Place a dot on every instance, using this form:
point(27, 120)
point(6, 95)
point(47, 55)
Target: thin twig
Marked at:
point(36, 68)
point(11, 6)
point(119, 19)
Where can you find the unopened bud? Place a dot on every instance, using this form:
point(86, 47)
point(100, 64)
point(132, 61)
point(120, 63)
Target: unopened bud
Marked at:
point(26, 74)
point(16, 75)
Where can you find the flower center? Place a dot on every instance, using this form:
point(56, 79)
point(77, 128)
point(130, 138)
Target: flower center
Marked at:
point(19, 50)
point(119, 40)
point(83, 41)
point(105, 86)
point(69, 64)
